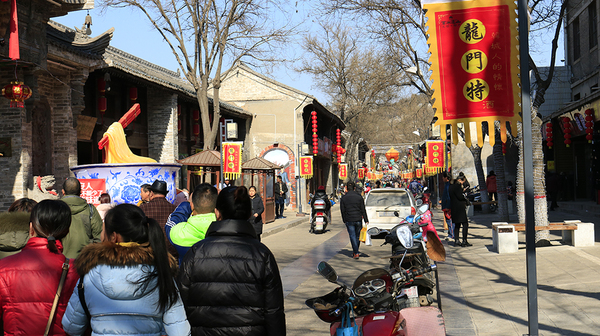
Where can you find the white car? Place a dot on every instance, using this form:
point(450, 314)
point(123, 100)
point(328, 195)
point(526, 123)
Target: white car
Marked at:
point(383, 202)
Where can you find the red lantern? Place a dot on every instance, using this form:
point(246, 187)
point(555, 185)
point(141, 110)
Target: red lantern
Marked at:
point(503, 148)
point(102, 104)
point(567, 130)
point(549, 138)
point(17, 92)
point(589, 125)
point(196, 115)
point(133, 93)
point(101, 85)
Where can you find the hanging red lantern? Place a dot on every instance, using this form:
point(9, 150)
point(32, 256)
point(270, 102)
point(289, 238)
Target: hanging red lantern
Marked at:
point(133, 94)
point(102, 104)
point(314, 135)
point(17, 92)
point(196, 115)
point(549, 135)
point(503, 148)
point(589, 125)
point(101, 85)
point(567, 129)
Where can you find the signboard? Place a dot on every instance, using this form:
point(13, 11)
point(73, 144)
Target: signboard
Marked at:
point(435, 153)
point(343, 171)
point(232, 159)
point(474, 64)
point(306, 167)
point(91, 189)
point(361, 173)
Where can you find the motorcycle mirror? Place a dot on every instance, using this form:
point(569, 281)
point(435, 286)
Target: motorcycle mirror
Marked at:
point(423, 208)
point(373, 231)
point(425, 189)
point(396, 214)
point(327, 271)
point(419, 202)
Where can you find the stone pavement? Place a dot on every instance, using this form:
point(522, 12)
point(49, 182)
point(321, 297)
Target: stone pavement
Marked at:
point(483, 292)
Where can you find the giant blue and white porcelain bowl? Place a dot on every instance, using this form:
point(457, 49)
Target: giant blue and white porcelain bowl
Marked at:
point(123, 180)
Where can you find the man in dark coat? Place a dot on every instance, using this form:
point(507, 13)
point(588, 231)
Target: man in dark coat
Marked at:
point(281, 190)
point(459, 211)
point(160, 209)
point(353, 211)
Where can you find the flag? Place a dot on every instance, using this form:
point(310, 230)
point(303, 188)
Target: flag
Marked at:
point(232, 159)
point(343, 171)
point(361, 173)
point(474, 65)
point(435, 153)
point(306, 167)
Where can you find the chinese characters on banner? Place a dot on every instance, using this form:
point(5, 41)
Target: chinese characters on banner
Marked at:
point(306, 167)
point(232, 159)
point(419, 173)
point(343, 171)
point(91, 189)
point(474, 64)
point(361, 173)
point(435, 154)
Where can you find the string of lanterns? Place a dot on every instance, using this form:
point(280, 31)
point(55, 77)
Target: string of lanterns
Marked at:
point(315, 137)
point(338, 147)
point(549, 135)
point(589, 125)
point(567, 129)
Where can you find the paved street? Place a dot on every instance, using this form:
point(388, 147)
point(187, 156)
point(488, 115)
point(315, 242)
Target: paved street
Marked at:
point(482, 292)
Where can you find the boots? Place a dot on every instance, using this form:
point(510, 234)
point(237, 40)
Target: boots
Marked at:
point(457, 243)
point(465, 233)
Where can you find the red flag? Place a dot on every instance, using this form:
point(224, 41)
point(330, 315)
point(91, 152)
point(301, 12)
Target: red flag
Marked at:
point(13, 44)
point(306, 167)
point(232, 159)
point(435, 153)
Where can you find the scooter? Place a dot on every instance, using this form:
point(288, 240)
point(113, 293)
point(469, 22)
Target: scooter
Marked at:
point(411, 254)
point(373, 298)
point(424, 196)
point(319, 218)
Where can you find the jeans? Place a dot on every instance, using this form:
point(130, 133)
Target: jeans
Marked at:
point(354, 233)
point(450, 228)
point(279, 202)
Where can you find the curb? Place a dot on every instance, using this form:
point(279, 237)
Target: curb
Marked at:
point(285, 226)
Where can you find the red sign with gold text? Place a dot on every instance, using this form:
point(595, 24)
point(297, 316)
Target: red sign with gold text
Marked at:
point(232, 159)
point(361, 173)
point(474, 63)
point(419, 172)
point(306, 167)
point(91, 189)
point(435, 154)
point(343, 171)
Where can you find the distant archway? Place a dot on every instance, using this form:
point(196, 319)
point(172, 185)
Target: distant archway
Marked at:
point(282, 155)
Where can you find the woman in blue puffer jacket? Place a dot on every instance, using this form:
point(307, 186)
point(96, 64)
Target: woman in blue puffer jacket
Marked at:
point(128, 281)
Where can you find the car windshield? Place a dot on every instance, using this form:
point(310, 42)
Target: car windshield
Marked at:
point(386, 199)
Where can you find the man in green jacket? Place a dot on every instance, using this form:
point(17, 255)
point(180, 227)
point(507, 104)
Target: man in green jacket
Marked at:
point(188, 224)
point(86, 223)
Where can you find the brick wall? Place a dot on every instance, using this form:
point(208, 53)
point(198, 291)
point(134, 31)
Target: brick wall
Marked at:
point(162, 125)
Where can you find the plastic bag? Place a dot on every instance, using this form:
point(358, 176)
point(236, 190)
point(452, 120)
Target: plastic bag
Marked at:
point(363, 235)
point(346, 328)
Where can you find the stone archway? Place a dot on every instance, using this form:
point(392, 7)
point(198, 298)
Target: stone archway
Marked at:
point(282, 155)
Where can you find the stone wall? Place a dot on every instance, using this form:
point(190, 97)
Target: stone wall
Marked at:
point(162, 125)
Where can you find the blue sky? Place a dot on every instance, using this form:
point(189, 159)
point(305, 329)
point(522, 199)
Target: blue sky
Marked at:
point(134, 34)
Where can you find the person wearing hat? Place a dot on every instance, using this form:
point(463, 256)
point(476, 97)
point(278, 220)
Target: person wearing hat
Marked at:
point(159, 208)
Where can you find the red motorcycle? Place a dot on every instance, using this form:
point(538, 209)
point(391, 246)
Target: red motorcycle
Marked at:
point(373, 299)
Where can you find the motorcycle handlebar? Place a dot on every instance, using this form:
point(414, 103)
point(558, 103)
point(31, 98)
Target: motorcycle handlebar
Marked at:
point(407, 275)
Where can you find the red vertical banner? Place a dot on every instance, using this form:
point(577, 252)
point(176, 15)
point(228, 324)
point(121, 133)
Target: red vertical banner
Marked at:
point(343, 171)
point(361, 173)
point(232, 159)
point(474, 59)
point(435, 154)
point(306, 167)
point(91, 189)
point(419, 172)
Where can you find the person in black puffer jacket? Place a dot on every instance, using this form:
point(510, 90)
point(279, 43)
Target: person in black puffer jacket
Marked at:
point(354, 213)
point(229, 281)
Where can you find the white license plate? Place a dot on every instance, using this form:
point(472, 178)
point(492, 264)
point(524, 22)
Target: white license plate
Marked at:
point(386, 214)
point(319, 219)
point(410, 291)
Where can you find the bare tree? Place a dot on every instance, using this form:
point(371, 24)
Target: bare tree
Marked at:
point(204, 34)
point(357, 77)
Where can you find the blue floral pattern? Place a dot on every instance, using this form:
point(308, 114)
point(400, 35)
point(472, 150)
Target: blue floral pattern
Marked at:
point(123, 183)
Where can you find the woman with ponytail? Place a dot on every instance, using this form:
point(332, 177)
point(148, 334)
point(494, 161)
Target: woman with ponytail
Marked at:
point(127, 283)
point(30, 279)
point(229, 281)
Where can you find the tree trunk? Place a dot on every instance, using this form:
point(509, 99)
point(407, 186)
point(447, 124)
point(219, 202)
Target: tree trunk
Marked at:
point(540, 207)
point(352, 155)
point(476, 152)
point(503, 215)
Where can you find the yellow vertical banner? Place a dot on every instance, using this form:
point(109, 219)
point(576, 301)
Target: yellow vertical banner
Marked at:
point(231, 155)
point(474, 64)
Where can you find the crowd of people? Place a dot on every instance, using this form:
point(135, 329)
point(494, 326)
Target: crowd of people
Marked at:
point(198, 268)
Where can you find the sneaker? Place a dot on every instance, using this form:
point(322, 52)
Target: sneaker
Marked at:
point(466, 243)
point(356, 256)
